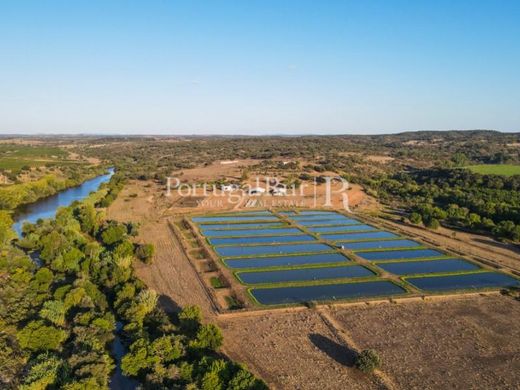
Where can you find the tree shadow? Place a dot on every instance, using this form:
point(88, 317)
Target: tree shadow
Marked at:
point(168, 305)
point(340, 353)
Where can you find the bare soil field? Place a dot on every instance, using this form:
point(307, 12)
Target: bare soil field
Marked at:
point(293, 350)
point(465, 343)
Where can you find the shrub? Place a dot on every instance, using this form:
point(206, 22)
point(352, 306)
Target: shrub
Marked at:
point(145, 253)
point(367, 361)
point(415, 218)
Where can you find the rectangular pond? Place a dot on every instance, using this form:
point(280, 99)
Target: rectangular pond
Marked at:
point(286, 261)
point(326, 292)
point(241, 226)
point(381, 244)
point(464, 282)
point(260, 240)
point(236, 218)
point(250, 232)
point(359, 236)
point(259, 250)
point(428, 266)
point(308, 212)
point(313, 217)
point(340, 228)
point(398, 255)
point(332, 223)
point(303, 275)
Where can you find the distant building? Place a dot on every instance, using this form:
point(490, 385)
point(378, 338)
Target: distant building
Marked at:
point(229, 187)
point(256, 191)
point(278, 191)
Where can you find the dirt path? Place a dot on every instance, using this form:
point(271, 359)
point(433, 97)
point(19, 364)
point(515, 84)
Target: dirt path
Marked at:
point(171, 273)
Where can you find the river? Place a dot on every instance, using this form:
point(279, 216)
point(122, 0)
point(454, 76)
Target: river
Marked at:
point(46, 207)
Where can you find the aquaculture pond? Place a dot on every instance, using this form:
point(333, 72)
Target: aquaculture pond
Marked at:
point(260, 240)
point(236, 218)
point(464, 281)
point(325, 292)
point(356, 246)
point(340, 228)
point(359, 236)
point(428, 266)
point(241, 226)
point(241, 251)
point(328, 222)
point(285, 261)
point(399, 254)
point(250, 232)
point(273, 252)
point(305, 274)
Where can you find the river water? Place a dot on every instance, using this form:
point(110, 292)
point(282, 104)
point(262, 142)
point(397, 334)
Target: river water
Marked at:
point(46, 208)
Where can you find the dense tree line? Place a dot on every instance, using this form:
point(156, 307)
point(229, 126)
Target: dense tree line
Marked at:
point(457, 197)
point(59, 314)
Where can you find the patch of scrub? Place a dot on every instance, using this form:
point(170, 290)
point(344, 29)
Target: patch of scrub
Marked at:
point(325, 292)
point(305, 274)
point(464, 281)
point(286, 261)
point(428, 266)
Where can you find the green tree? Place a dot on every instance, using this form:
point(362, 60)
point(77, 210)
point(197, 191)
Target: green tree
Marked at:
point(36, 336)
point(367, 361)
point(415, 218)
point(54, 311)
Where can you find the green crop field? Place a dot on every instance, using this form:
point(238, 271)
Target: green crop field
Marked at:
point(495, 169)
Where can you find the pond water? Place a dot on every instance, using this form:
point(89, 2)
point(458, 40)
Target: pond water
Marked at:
point(46, 207)
point(462, 282)
point(304, 212)
point(381, 244)
point(311, 217)
point(333, 222)
point(285, 261)
point(428, 266)
point(359, 236)
point(236, 218)
point(260, 240)
point(397, 255)
point(241, 226)
point(307, 274)
point(241, 251)
point(247, 213)
point(250, 232)
point(340, 228)
point(301, 294)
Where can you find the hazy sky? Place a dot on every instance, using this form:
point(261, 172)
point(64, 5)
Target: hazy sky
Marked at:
point(258, 66)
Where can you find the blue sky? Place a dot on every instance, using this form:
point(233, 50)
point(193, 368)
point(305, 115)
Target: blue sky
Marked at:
point(258, 66)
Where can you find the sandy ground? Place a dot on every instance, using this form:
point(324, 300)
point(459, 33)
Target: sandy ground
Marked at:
point(293, 351)
point(464, 343)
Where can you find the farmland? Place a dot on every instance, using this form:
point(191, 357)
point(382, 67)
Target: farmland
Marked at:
point(496, 169)
point(300, 257)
